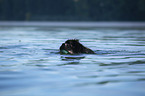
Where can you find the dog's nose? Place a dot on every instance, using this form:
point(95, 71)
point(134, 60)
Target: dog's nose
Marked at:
point(62, 46)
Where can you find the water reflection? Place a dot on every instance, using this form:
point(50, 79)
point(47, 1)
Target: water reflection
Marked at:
point(72, 57)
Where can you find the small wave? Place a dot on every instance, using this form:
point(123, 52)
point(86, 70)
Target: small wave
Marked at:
point(119, 52)
point(11, 46)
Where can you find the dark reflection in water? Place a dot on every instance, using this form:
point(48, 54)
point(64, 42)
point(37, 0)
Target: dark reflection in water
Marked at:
point(30, 63)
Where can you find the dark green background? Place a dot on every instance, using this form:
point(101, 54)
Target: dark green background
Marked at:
point(72, 10)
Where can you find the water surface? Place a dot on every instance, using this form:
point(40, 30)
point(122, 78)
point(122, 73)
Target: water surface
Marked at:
point(30, 63)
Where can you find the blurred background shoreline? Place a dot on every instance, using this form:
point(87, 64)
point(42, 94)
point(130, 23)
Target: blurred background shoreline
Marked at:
point(72, 10)
point(73, 24)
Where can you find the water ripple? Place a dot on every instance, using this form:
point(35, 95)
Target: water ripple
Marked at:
point(30, 60)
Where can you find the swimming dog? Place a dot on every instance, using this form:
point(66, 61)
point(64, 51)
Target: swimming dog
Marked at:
point(73, 46)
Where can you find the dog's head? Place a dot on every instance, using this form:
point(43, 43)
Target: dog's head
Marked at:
point(71, 46)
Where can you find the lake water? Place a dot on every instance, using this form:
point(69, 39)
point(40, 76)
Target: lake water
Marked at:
point(30, 63)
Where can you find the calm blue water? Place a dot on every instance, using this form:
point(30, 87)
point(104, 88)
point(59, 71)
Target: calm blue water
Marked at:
point(30, 64)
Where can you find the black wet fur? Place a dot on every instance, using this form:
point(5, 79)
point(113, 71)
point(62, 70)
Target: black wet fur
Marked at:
point(73, 46)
